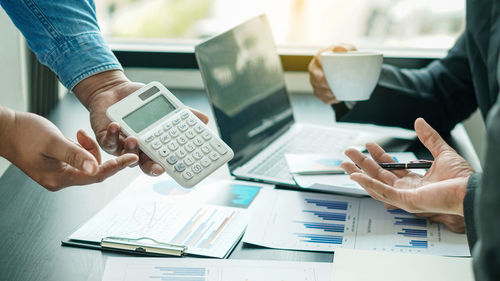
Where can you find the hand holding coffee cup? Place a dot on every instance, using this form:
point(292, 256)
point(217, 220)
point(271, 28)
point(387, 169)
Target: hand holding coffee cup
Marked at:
point(351, 75)
point(317, 77)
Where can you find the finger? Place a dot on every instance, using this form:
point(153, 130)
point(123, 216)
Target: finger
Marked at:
point(380, 156)
point(111, 141)
point(200, 115)
point(131, 145)
point(350, 168)
point(390, 207)
point(107, 169)
point(371, 167)
point(72, 154)
point(326, 96)
point(112, 166)
point(343, 47)
point(430, 138)
point(383, 192)
point(89, 144)
point(148, 166)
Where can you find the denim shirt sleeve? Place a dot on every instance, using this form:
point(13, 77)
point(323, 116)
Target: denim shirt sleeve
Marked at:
point(64, 35)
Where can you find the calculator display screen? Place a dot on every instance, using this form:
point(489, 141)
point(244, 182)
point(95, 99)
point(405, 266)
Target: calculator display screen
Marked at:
point(149, 113)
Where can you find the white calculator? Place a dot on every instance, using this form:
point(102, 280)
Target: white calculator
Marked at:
point(170, 134)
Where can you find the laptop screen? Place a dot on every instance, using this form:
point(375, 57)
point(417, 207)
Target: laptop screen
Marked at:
point(244, 80)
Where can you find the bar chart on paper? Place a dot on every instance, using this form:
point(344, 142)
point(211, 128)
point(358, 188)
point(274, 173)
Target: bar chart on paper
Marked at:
point(130, 269)
point(316, 222)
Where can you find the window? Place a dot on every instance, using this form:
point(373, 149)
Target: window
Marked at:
point(296, 23)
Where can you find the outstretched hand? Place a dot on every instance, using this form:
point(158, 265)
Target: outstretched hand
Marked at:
point(40, 150)
point(440, 191)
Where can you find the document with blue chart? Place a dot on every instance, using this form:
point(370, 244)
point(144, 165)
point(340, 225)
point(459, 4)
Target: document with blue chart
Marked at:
point(209, 219)
point(189, 269)
point(320, 222)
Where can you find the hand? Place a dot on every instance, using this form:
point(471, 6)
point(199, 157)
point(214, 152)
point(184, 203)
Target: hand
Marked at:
point(102, 90)
point(40, 150)
point(441, 190)
point(317, 77)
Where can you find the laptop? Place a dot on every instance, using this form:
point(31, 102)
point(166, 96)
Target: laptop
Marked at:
point(244, 80)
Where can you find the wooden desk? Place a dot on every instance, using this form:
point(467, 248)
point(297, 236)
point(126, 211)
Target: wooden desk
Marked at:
point(33, 221)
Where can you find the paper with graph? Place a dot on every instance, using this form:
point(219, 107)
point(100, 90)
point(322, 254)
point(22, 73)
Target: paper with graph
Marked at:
point(319, 222)
point(208, 219)
point(132, 269)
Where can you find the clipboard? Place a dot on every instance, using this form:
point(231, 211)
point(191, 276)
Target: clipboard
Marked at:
point(144, 246)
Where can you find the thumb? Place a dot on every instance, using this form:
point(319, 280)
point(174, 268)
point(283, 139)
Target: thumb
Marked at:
point(343, 48)
point(430, 138)
point(74, 155)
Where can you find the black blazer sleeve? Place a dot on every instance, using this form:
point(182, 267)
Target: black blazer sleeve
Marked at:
point(442, 93)
point(486, 252)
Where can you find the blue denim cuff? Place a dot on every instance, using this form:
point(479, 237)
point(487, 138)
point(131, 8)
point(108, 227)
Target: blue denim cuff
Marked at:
point(80, 57)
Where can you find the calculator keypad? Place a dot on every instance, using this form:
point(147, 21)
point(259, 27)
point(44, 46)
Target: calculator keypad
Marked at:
point(186, 147)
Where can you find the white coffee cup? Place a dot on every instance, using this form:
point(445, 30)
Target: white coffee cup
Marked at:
point(352, 75)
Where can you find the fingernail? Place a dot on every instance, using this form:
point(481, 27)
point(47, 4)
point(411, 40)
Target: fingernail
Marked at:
point(131, 145)
point(113, 130)
point(89, 167)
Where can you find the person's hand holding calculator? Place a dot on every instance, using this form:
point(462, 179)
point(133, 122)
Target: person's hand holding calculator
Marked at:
point(170, 134)
point(100, 91)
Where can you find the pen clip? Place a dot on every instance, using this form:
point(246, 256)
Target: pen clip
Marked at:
point(421, 161)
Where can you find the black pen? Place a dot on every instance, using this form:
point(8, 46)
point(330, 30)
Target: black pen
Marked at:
point(411, 165)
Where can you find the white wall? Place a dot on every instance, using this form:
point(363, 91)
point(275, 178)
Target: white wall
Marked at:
point(12, 71)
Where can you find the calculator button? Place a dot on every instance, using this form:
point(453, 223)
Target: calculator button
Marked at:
point(182, 140)
point(206, 148)
point(176, 121)
point(191, 121)
point(181, 153)
point(173, 132)
point(198, 141)
point(188, 161)
point(182, 127)
point(172, 159)
point(206, 136)
point(199, 128)
point(190, 134)
point(196, 168)
point(205, 162)
point(184, 115)
point(158, 132)
point(173, 145)
point(165, 138)
point(213, 156)
point(189, 147)
point(149, 138)
point(187, 175)
point(167, 126)
point(156, 144)
point(197, 154)
point(218, 147)
point(164, 152)
point(179, 167)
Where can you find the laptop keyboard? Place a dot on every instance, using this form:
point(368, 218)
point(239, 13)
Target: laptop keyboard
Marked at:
point(307, 140)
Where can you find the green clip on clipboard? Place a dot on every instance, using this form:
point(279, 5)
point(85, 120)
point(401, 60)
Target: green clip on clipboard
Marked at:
point(144, 245)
